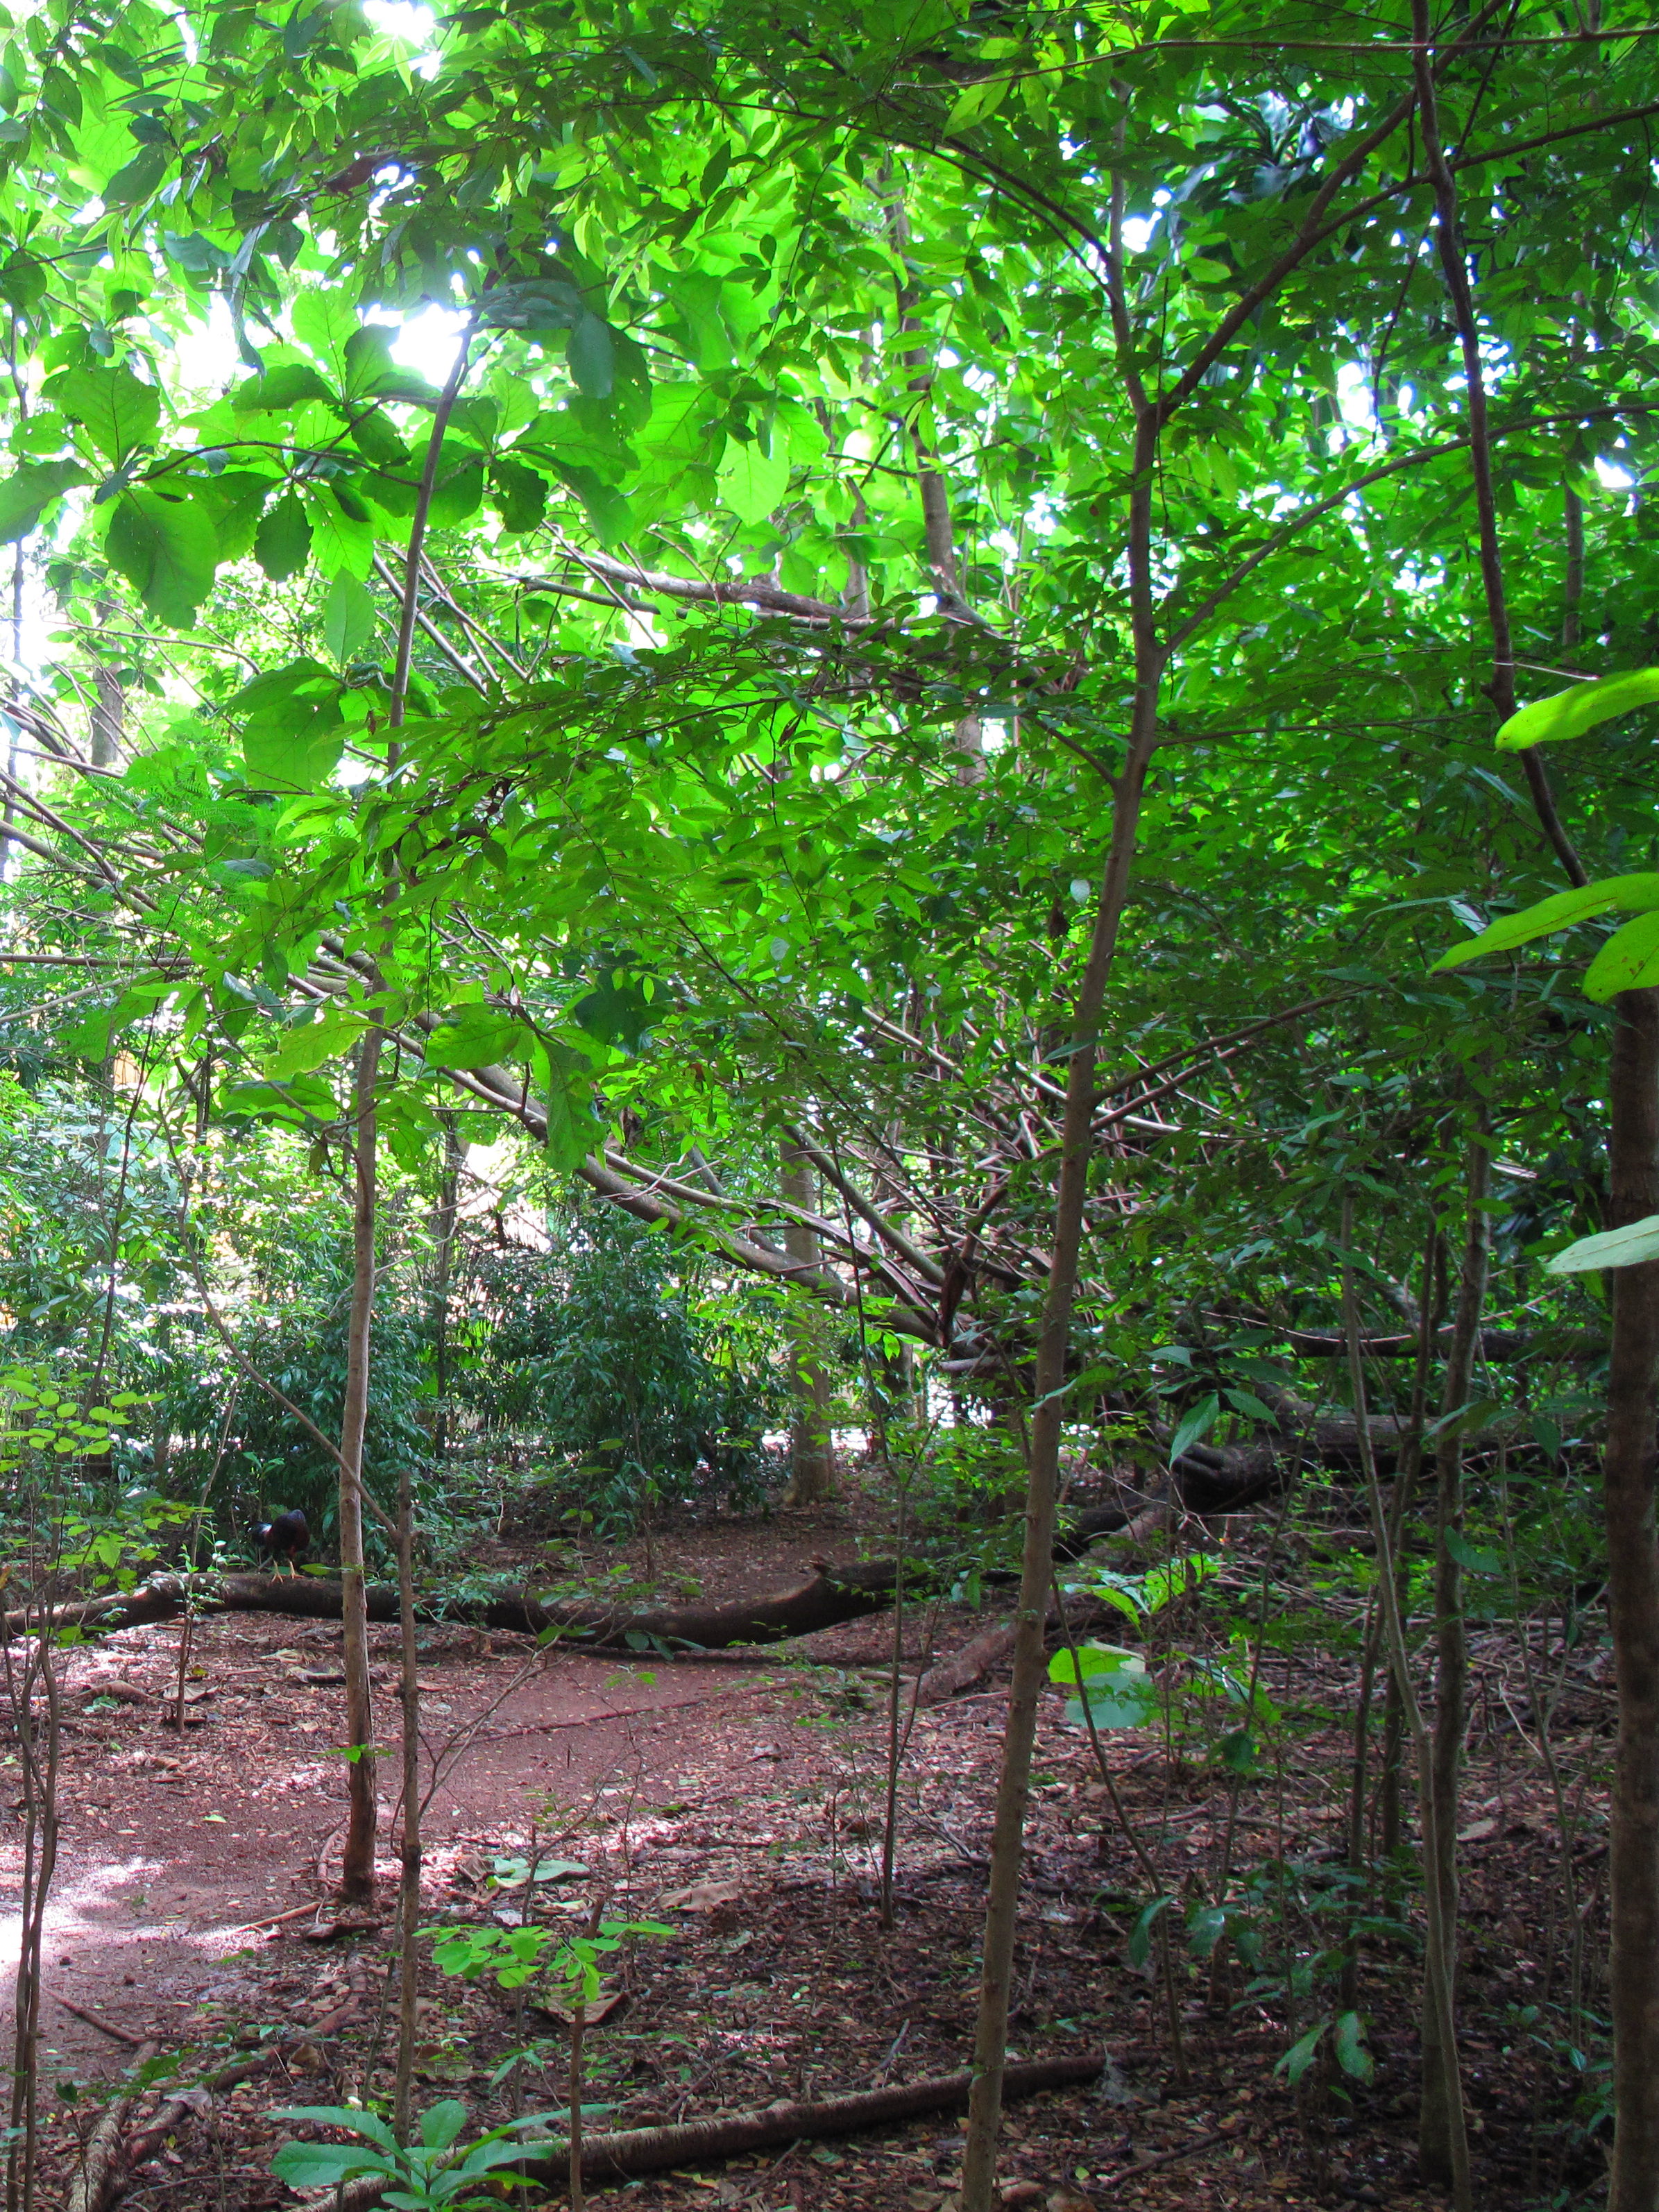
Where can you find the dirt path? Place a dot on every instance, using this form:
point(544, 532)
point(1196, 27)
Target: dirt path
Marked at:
point(170, 1850)
point(739, 1805)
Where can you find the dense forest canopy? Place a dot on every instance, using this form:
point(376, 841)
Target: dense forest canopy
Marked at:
point(715, 704)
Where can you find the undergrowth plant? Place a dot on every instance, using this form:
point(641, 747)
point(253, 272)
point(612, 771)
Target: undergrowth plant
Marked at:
point(438, 2174)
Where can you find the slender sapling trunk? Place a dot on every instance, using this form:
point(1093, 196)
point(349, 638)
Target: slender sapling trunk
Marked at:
point(1628, 1472)
point(1441, 2120)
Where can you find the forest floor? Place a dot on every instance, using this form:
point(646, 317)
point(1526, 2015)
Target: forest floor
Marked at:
point(740, 1801)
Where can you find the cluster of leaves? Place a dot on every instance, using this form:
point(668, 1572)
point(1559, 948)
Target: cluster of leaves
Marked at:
point(604, 1353)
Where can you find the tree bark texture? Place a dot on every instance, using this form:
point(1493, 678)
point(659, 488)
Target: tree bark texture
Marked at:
point(1633, 1609)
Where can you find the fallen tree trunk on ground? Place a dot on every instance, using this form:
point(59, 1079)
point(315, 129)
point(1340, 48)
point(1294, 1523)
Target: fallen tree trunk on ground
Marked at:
point(833, 1595)
point(657, 2150)
point(1204, 1481)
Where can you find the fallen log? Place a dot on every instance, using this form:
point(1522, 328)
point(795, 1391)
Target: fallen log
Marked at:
point(90, 2190)
point(834, 1595)
point(110, 2159)
point(635, 2151)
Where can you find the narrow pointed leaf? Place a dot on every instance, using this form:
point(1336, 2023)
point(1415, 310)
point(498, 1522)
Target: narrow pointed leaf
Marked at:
point(1636, 1243)
point(1569, 713)
point(1631, 894)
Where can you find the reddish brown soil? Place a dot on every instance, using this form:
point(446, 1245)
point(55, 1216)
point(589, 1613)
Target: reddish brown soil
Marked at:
point(755, 1787)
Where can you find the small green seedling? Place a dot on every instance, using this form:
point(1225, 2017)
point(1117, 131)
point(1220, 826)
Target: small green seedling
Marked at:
point(436, 2174)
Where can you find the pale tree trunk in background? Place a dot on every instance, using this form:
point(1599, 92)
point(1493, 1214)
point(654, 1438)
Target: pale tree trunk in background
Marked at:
point(107, 721)
point(1628, 1472)
point(443, 1270)
point(1442, 2142)
point(357, 1867)
point(968, 736)
point(812, 1448)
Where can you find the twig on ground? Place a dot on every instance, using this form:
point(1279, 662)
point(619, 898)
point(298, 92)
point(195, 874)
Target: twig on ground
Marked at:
point(104, 2026)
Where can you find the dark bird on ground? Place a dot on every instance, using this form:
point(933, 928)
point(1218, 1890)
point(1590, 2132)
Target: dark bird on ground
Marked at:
point(286, 1537)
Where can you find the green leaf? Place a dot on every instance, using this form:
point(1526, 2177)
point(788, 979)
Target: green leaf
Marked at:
point(1569, 713)
point(1237, 1752)
point(279, 390)
point(295, 733)
point(1473, 1558)
point(753, 483)
point(1195, 1424)
point(1349, 2040)
point(325, 2165)
point(296, 753)
point(1300, 2056)
point(234, 502)
point(607, 509)
point(975, 101)
point(519, 496)
point(441, 2125)
point(593, 357)
point(569, 1096)
point(473, 1036)
point(118, 413)
point(1115, 1691)
point(22, 281)
point(1630, 893)
point(281, 544)
point(341, 539)
point(166, 548)
point(141, 176)
point(1206, 1926)
point(349, 619)
point(1140, 1936)
point(28, 491)
point(312, 1045)
point(1089, 1660)
point(300, 1103)
point(1632, 1246)
point(1629, 959)
point(367, 2125)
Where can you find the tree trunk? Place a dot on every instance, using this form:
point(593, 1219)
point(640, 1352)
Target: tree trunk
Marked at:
point(1633, 1610)
point(357, 1865)
point(443, 1268)
point(1041, 1503)
point(107, 723)
point(1442, 2149)
point(408, 1891)
point(811, 1446)
point(1435, 1943)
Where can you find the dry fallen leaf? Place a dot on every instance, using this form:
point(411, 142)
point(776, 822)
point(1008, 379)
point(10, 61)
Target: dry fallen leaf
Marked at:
point(595, 2015)
point(705, 1896)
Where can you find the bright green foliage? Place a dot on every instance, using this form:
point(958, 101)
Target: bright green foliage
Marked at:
point(439, 2171)
point(681, 841)
point(640, 1390)
point(1570, 713)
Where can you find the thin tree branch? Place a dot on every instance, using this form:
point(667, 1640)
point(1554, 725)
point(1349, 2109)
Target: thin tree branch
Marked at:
point(1449, 244)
